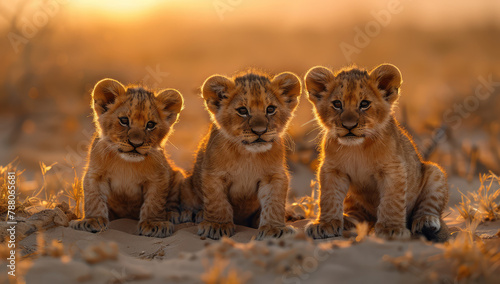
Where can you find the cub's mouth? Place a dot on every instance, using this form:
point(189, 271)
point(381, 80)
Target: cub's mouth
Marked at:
point(132, 155)
point(258, 145)
point(350, 134)
point(351, 139)
point(257, 141)
point(132, 152)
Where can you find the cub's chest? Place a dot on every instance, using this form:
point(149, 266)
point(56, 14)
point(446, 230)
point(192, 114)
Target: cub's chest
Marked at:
point(125, 186)
point(244, 178)
point(126, 180)
point(359, 167)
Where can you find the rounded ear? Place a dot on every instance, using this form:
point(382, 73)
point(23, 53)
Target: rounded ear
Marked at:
point(170, 102)
point(215, 89)
point(289, 87)
point(316, 80)
point(388, 80)
point(105, 93)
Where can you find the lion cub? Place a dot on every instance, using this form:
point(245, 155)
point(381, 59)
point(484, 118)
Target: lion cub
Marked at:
point(240, 173)
point(128, 174)
point(371, 170)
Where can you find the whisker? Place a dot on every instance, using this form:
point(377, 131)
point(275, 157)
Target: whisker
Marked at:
point(172, 144)
point(314, 119)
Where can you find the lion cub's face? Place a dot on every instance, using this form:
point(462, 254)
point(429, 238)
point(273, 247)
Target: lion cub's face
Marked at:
point(252, 109)
point(132, 120)
point(353, 104)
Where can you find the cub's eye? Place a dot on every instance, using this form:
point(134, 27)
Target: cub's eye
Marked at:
point(364, 104)
point(271, 109)
point(150, 125)
point(337, 104)
point(243, 111)
point(123, 120)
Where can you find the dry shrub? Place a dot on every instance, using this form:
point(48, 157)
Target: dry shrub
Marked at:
point(308, 204)
point(465, 259)
point(482, 204)
point(487, 196)
point(75, 193)
point(221, 273)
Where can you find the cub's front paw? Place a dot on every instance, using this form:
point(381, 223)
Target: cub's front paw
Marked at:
point(392, 232)
point(174, 217)
point(268, 231)
point(425, 223)
point(198, 218)
point(93, 225)
point(186, 216)
point(157, 229)
point(323, 230)
point(215, 230)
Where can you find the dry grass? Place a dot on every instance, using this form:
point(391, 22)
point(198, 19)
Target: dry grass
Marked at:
point(220, 273)
point(471, 260)
point(483, 204)
point(308, 204)
point(487, 196)
point(75, 193)
point(362, 230)
point(466, 209)
point(404, 263)
point(465, 259)
point(43, 197)
point(4, 188)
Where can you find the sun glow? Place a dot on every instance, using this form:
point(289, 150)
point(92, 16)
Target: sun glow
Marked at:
point(118, 6)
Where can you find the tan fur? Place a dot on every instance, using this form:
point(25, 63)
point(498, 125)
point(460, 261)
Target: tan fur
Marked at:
point(235, 180)
point(128, 173)
point(376, 174)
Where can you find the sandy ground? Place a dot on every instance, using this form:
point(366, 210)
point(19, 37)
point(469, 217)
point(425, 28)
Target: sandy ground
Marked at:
point(118, 255)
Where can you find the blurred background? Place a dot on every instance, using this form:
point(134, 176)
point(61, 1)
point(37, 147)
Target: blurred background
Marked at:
point(52, 52)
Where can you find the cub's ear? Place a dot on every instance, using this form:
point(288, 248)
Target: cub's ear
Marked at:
point(215, 89)
point(388, 80)
point(170, 102)
point(105, 93)
point(316, 81)
point(289, 87)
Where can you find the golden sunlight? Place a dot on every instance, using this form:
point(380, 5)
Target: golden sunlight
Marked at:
point(118, 6)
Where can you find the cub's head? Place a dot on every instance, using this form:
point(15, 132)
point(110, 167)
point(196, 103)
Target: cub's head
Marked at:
point(353, 104)
point(252, 109)
point(132, 119)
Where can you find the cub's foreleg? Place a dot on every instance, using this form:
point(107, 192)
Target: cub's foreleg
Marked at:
point(191, 202)
point(272, 197)
point(218, 212)
point(333, 189)
point(391, 212)
point(173, 202)
point(152, 219)
point(95, 205)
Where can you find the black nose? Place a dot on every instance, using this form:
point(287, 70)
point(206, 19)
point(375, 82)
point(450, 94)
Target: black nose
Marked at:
point(135, 145)
point(349, 125)
point(259, 130)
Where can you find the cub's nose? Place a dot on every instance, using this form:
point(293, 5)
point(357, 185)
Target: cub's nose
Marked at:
point(135, 143)
point(259, 130)
point(349, 124)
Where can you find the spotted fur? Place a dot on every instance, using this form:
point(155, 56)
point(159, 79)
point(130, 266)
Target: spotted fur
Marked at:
point(370, 168)
point(240, 173)
point(128, 174)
